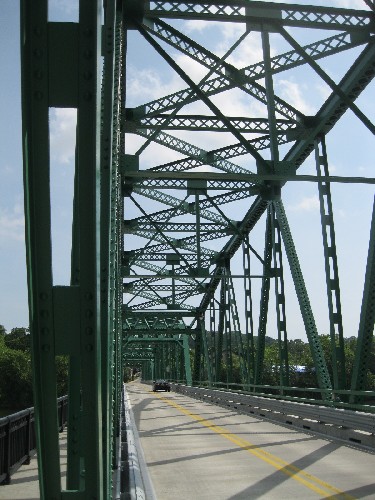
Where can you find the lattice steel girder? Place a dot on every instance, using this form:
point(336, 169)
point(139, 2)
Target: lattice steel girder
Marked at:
point(260, 14)
point(165, 301)
point(149, 340)
point(180, 207)
point(204, 123)
point(354, 82)
point(254, 72)
point(211, 185)
point(218, 159)
point(153, 321)
point(220, 221)
point(132, 226)
point(128, 288)
point(279, 63)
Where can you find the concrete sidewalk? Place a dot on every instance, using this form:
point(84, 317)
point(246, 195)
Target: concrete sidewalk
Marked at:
point(24, 483)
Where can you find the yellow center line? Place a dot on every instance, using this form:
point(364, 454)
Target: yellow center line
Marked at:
point(312, 482)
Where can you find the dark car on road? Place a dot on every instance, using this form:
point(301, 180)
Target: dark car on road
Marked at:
point(161, 385)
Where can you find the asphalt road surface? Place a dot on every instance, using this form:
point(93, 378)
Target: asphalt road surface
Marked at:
point(195, 451)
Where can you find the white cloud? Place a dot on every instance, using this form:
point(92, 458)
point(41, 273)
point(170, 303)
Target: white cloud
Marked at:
point(293, 93)
point(147, 84)
point(63, 134)
point(12, 224)
point(308, 204)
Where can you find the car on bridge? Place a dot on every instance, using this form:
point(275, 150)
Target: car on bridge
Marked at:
point(161, 385)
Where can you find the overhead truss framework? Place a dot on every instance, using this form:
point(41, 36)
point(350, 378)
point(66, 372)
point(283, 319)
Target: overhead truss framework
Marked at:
point(186, 255)
point(184, 258)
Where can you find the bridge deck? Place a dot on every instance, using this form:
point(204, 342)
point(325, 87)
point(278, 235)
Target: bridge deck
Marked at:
point(198, 451)
point(24, 483)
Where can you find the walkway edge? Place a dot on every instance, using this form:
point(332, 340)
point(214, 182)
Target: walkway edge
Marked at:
point(140, 484)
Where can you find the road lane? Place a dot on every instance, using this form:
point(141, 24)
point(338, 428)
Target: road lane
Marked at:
point(199, 451)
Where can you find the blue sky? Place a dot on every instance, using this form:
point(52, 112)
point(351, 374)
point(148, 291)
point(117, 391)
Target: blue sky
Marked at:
point(350, 151)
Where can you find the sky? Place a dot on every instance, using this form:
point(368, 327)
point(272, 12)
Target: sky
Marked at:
point(350, 152)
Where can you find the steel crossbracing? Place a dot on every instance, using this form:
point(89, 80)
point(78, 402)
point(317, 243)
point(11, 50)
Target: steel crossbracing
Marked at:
point(193, 142)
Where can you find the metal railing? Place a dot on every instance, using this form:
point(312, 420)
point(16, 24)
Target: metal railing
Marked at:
point(355, 426)
point(17, 438)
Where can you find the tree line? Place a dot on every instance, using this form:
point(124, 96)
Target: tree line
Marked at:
point(299, 355)
point(16, 391)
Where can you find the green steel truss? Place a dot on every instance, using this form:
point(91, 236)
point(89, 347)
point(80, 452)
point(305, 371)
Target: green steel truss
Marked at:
point(183, 257)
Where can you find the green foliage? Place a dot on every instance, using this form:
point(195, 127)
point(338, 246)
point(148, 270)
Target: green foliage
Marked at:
point(128, 374)
point(16, 380)
point(19, 339)
point(62, 367)
point(16, 373)
point(299, 355)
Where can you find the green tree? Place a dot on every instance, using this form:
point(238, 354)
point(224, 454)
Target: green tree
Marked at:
point(16, 380)
point(19, 339)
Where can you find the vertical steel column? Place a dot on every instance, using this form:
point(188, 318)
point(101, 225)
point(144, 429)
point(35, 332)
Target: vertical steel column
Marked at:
point(367, 318)
point(213, 334)
point(227, 329)
point(108, 158)
point(73, 473)
point(206, 354)
point(234, 319)
point(270, 100)
point(264, 299)
point(35, 108)
point(198, 354)
point(220, 334)
point(187, 363)
point(88, 145)
point(304, 303)
point(249, 324)
point(280, 299)
point(331, 267)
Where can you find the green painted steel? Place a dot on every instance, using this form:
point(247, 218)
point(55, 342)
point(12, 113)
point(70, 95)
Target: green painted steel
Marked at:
point(174, 182)
point(35, 102)
point(331, 268)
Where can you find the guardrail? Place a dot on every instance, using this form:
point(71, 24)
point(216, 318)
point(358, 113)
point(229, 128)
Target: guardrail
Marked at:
point(357, 427)
point(17, 438)
point(135, 479)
